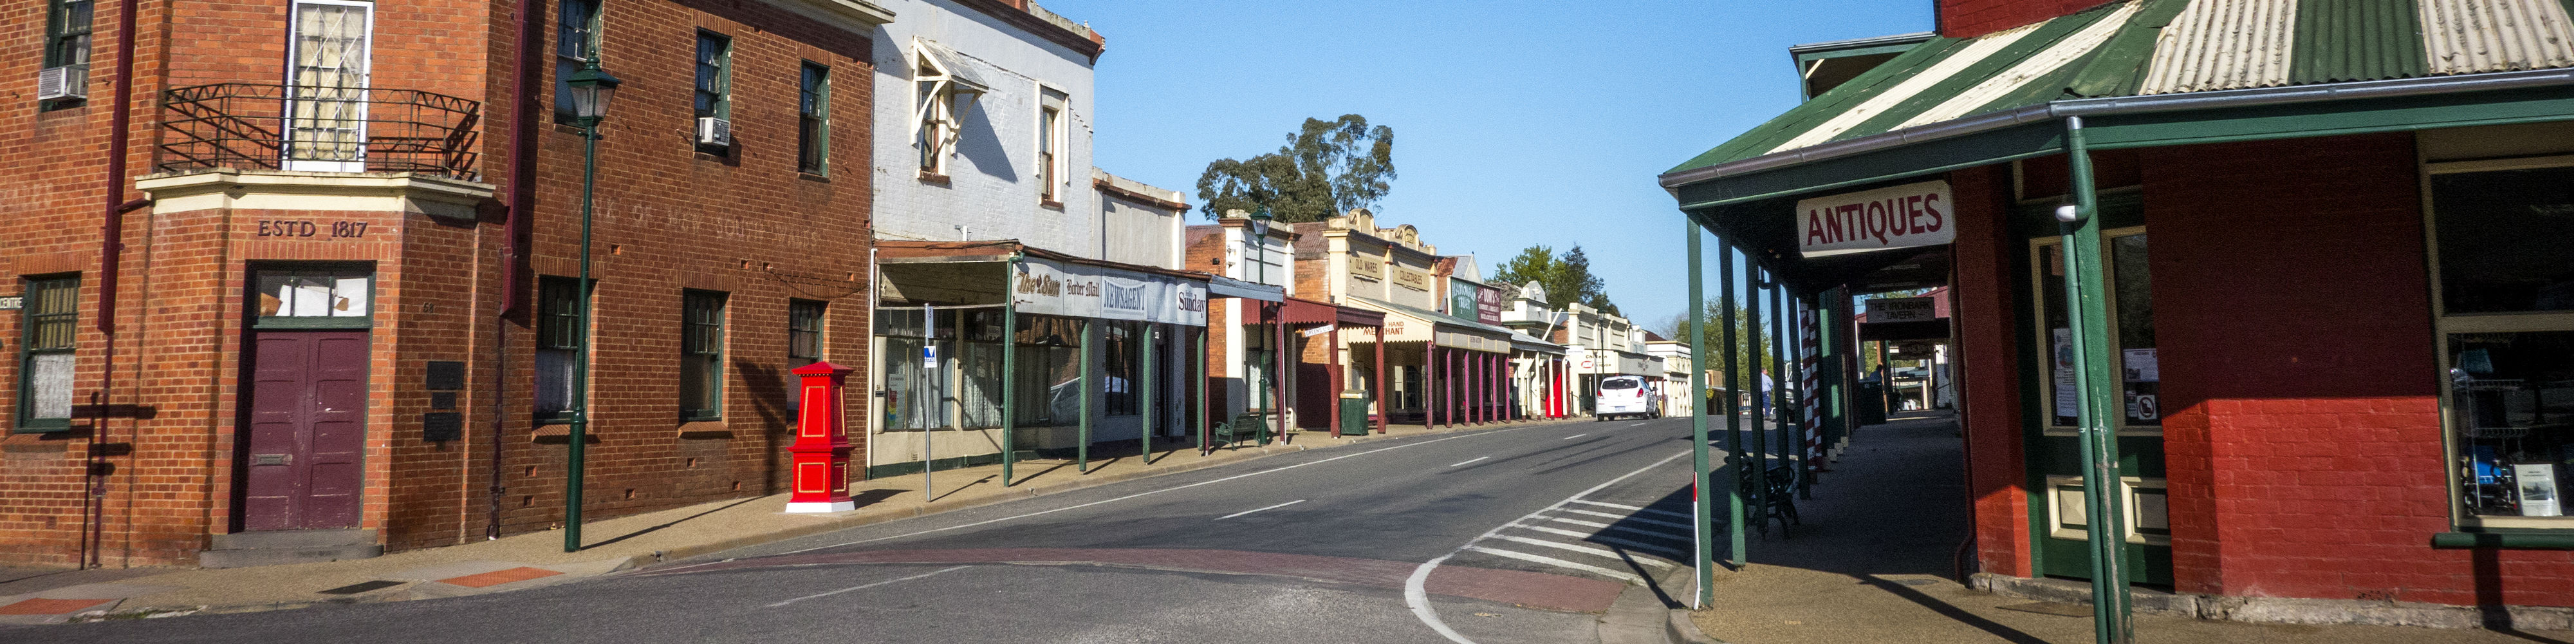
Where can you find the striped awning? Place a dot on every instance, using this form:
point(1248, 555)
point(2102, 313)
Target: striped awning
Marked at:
point(2154, 47)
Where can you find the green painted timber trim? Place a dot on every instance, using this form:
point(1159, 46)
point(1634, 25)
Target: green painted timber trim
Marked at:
point(2329, 118)
point(2356, 40)
point(1897, 48)
point(2532, 539)
point(1997, 146)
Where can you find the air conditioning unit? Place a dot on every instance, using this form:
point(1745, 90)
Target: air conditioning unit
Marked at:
point(715, 132)
point(70, 81)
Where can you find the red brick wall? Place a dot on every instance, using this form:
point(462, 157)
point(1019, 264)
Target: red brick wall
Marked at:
point(2304, 440)
point(1972, 18)
point(1989, 370)
point(669, 218)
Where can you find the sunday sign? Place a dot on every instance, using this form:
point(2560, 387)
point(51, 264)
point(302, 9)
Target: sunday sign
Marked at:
point(1914, 214)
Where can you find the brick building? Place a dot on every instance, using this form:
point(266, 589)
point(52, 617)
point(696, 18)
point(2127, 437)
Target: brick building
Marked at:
point(334, 318)
point(2359, 287)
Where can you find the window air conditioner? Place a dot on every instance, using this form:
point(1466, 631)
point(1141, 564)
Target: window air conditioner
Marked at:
point(714, 131)
point(70, 81)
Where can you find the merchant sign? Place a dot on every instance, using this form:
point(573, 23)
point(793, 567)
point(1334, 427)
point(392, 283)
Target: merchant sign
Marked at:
point(1914, 214)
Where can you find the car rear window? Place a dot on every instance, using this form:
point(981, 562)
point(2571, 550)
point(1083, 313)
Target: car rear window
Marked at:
point(1619, 384)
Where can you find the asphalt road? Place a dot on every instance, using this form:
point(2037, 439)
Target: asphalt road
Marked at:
point(1494, 536)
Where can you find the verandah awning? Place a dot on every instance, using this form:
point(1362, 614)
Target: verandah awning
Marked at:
point(1045, 282)
point(2153, 72)
point(1410, 324)
point(1301, 311)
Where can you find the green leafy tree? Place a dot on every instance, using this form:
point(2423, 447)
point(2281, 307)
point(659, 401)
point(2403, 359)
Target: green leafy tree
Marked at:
point(1567, 277)
point(1326, 169)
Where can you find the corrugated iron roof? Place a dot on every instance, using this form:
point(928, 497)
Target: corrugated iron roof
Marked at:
point(2142, 47)
point(2223, 44)
point(2469, 36)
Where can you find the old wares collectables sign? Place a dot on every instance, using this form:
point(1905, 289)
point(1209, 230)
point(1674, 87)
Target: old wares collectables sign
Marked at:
point(1914, 214)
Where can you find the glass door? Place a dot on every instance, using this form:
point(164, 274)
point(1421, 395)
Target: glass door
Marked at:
point(2055, 461)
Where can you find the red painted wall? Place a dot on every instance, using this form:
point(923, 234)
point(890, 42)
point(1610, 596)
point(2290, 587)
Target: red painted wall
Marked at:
point(2304, 440)
point(1990, 384)
point(1972, 18)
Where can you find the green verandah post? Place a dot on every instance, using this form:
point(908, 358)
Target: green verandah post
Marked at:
point(1082, 427)
point(1010, 365)
point(1198, 374)
point(1734, 422)
point(2080, 237)
point(1704, 497)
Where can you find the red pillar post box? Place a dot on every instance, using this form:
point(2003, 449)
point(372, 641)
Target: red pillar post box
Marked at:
point(821, 454)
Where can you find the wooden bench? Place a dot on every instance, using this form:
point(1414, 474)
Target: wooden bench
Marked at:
point(1777, 501)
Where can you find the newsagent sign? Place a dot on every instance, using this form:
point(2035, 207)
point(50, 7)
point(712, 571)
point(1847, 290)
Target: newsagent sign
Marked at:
point(1914, 214)
point(1048, 287)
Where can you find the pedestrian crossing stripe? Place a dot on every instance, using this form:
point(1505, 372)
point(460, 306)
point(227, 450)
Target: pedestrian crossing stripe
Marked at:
point(1552, 561)
point(1605, 526)
point(1629, 519)
point(1669, 513)
point(1637, 545)
point(1604, 552)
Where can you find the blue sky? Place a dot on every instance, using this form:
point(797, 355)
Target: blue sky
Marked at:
point(1516, 122)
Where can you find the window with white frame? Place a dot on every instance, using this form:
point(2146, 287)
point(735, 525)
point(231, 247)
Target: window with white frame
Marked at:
point(2497, 231)
point(943, 89)
point(327, 63)
point(1051, 117)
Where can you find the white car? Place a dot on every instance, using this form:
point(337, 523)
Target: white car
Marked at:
point(1625, 396)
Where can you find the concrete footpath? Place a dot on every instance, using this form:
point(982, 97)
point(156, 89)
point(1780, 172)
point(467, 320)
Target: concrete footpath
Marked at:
point(1873, 562)
point(43, 596)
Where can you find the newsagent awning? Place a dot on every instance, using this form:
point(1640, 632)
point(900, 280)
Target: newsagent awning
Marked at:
point(1301, 311)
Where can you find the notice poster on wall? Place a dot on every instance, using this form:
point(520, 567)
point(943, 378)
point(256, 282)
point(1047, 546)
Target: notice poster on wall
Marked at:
point(2536, 486)
point(2062, 355)
point(2138, 365)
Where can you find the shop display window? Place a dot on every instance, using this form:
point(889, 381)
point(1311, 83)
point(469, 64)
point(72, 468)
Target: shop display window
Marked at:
point(2501, 260)
point(2133, 325)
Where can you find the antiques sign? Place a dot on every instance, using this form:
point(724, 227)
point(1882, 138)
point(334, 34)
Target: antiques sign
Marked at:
point(1914, 214)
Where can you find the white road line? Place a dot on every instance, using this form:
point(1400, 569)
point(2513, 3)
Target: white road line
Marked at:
point(1472, 460)
point(1628, 518)
point(1419, 599)
point(1669, 513)
point(1560, 563)
point(1638, 545)
point(866, 586)
point(1275, 507)
point(1589, 550)
point(1154, 492)
point(1605, 526)
point(1568, 438)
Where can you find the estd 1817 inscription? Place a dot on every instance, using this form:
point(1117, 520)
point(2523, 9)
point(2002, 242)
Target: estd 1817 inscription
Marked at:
point(336, 229)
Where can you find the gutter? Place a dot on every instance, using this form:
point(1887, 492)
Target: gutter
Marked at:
point(2057, 110)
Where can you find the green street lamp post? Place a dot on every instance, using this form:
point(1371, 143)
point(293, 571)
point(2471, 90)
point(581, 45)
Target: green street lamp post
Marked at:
point(591, 90)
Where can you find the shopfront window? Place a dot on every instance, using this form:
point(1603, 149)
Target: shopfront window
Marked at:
point(1120, 359)
point(915, 388)
point(2499, 232)
point(1050, 371)
point(2133, 325)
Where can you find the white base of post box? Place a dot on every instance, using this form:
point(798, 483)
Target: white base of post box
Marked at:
point(833, 506)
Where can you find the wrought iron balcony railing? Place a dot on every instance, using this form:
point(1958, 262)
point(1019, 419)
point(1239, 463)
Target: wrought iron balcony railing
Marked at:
point(322, 129)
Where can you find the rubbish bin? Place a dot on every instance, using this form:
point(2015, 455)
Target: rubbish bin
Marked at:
point(1355, 415)
point(1869, 404)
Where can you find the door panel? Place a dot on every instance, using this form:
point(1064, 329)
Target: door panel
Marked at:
point(2053, 455)
point(306, 430)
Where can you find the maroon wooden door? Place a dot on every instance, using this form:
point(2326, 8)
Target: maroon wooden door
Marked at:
point(307, 426)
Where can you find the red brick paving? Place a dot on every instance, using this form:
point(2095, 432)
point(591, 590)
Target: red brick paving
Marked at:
point(1532, 589)
point(498, 577)
point(50, 606)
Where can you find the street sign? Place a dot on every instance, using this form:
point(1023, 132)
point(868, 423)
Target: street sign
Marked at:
point(1900, 309)
point(1316, 331)
point(929, 356)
